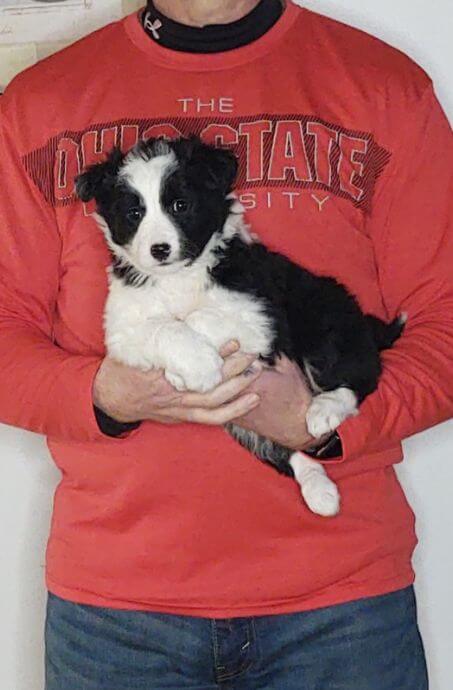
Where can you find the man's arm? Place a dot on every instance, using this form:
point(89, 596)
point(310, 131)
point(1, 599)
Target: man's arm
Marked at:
point(411, 228)
point(44, 388)
point(49, 390)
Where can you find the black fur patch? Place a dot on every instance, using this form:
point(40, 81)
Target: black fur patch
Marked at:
point(202, 179)
point(128, 274)
point(317, 321)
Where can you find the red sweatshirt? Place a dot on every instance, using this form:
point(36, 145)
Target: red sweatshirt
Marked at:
point(346, 159)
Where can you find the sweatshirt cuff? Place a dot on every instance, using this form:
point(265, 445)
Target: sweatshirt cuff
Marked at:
point(352, 437)
point(111, 427)
point(355, 434)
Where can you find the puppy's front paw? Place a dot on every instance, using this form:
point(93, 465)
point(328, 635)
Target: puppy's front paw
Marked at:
point(328, 410)
point(199, 373)
point(320, 420)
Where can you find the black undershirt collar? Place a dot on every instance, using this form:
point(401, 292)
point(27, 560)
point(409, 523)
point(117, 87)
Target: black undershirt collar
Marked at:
point(214, 38)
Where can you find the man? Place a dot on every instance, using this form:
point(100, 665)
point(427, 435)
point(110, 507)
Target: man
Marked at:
point(175, 559)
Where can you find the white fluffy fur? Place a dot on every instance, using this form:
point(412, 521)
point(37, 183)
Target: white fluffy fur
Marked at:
point(178, 319)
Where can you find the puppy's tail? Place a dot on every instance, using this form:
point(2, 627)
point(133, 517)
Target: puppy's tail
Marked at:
point(385, 334)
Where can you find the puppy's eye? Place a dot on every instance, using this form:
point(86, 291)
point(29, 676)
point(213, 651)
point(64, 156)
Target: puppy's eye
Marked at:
point(134, 214)
point(180, 206)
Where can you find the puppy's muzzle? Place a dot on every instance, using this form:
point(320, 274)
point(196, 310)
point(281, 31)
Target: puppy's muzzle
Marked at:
point(160, 252)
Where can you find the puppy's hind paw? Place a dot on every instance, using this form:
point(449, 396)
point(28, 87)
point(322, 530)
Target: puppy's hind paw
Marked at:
point(321, 495)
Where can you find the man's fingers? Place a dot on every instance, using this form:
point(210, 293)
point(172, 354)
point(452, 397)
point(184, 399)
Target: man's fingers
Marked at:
point(225, 413)
point(225, 391)
point(236, 364)
point(229, 348)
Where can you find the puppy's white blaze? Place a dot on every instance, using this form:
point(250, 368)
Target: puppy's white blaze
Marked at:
point(146, 177)
point(142, 173)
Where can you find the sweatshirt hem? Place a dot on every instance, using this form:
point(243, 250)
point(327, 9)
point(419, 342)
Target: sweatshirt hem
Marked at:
point(342, 595)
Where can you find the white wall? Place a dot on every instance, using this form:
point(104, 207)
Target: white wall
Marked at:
point(422, 28)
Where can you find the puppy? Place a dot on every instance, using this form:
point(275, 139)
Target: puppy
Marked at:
point(186, 277)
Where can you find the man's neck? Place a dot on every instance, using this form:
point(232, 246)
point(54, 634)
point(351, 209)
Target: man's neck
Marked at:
point(204, 12)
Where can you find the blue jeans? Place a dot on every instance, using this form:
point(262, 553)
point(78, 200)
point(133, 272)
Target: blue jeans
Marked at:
point(369, 644)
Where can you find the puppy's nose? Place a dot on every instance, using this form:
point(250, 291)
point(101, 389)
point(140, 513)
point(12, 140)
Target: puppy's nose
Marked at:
point(160, 251)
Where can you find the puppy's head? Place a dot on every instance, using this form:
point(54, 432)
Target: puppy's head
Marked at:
point(160, 204)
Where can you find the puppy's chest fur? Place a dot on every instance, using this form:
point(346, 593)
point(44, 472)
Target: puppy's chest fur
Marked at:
point(193, 296)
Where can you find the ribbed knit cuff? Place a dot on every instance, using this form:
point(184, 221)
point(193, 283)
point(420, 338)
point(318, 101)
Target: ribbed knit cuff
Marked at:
point(110, 426)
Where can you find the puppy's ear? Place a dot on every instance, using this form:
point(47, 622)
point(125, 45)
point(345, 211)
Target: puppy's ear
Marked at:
point(98, 177)
point(216, 168)
point(223, 166)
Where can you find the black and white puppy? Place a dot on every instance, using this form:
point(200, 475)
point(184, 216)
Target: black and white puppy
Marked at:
point(186, 278)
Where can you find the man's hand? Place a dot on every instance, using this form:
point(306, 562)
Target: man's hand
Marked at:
point(128, 394)
point(284, 399)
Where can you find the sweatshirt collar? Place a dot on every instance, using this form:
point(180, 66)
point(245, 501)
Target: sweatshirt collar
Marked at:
point(200, 62)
